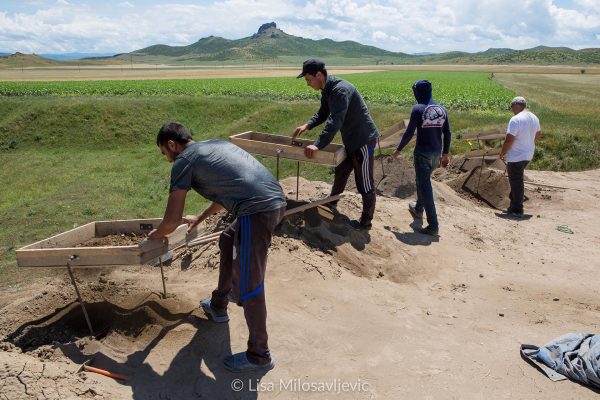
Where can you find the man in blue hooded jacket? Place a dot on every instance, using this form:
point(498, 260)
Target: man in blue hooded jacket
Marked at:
point(433, 143)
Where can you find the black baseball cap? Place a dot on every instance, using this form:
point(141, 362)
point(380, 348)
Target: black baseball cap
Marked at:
point(311, 66)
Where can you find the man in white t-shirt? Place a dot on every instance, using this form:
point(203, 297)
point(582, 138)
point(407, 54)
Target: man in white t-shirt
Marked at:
point(522, 132)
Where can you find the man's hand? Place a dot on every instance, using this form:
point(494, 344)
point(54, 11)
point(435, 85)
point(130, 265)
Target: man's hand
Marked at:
point(310, 150)
point(396, 154)
point(508, 142)
point(444, 160)
point(299, 130)
point(153, 235)
point(192, 221)
point(172, 218)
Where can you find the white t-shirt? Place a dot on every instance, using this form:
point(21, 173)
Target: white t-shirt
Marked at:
point(523, 127)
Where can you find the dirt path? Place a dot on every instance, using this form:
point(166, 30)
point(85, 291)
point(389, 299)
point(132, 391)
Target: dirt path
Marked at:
point(387, 314)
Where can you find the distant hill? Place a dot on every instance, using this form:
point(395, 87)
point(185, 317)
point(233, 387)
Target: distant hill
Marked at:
point(270, 45)
point(75, 56)
point(19, 60)
point(548, 56)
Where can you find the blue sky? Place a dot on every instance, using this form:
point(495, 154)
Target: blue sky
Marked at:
point(90, 26)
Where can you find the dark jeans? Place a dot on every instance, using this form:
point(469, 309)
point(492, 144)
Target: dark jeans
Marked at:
point(425, 163)
point(361, 162)
point(244, 245)
point(515, 172)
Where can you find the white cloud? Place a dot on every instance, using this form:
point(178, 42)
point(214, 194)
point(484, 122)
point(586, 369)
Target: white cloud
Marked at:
point(396, 25)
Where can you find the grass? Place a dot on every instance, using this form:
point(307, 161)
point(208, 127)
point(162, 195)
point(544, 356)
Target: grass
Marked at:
point(69, 160)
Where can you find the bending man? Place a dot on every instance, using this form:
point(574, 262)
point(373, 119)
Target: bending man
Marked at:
point(232, 179)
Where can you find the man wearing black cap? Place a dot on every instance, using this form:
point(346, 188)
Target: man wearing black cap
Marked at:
point(343, 109)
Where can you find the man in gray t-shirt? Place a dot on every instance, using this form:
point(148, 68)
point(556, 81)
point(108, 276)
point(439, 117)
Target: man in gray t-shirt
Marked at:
point(224, 173)
point(233, 180)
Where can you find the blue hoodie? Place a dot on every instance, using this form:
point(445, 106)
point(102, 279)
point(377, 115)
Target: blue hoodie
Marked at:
point(430, 120)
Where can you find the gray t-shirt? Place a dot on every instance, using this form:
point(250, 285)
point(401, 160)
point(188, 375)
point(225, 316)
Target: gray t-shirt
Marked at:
point(224, 173)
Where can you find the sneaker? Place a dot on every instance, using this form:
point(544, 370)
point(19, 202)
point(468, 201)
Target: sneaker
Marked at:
point(239, 363)
point(213, 313)
point(356, 224)
point(429, 230)
point(512, 213)
point(412, 209)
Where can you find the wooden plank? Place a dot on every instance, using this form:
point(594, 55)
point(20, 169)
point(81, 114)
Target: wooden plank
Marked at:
point(66, 239)
point(483, 152)
point(485, 135)
point(137, 226)
point(391, 137)
point(272, 145)
point(325, 212)
point(394, 141)
point(487, 158)
point(88, 256)
point(492, 136)
point(205, 240)
point(397, 128)
point(55, 253)
point(550, 186)
point(312, 204)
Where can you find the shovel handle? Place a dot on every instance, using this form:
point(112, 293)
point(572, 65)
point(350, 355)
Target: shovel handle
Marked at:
point(105, 373)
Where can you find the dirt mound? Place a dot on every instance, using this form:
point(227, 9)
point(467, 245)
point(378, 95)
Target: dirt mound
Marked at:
point(489, 186)
point(482, 182)
point(393, 178)
point(327, 243)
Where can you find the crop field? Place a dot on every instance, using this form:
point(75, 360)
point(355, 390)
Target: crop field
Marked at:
point(455, 90)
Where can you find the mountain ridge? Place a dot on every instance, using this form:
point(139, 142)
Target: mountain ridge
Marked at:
point(271, 45)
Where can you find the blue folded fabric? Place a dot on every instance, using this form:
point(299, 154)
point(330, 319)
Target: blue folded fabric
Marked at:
point(574, 355)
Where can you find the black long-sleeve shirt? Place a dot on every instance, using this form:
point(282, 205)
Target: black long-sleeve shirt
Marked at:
point(344, 109)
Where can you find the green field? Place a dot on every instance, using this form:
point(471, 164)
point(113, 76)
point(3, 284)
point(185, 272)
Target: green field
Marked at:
point(74, 152)
point(456, 90)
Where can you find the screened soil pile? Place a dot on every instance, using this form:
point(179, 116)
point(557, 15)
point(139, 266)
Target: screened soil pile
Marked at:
point(213, 223)
point(123, 239)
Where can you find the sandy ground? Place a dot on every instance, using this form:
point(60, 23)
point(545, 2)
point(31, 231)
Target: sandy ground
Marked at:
point(387, 314)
